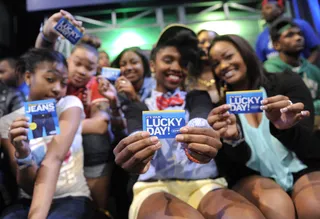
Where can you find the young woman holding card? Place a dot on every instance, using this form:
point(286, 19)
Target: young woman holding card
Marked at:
point(135, 80)
point(170, 184)
point(271, 158)
point(97, 135)
point(49, 170)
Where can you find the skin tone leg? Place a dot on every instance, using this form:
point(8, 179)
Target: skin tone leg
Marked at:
point(99, 188)
point(268, 196)
point(225, 203)
point(306, 196)
point(166, 206)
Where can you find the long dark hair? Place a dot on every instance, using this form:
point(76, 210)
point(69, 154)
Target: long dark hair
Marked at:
point(136, 50)
point(255, 71)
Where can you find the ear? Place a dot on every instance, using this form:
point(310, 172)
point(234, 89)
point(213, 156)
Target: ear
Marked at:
point(276, 45)
point(152, 66)
point(27, 77)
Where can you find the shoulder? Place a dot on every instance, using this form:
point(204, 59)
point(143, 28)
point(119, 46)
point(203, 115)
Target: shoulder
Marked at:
point(68, 102)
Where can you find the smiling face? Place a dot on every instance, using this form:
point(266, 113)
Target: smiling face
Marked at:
point(82, 65)
point(48, 81)
point(227, 63)
point(131, 67)
point(168, 70)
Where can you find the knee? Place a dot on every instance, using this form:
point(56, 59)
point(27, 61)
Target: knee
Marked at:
point(308, 209)
point(276, 199)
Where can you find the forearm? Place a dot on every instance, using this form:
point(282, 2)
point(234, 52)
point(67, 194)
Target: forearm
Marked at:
point(44, 188)
point(95, 125)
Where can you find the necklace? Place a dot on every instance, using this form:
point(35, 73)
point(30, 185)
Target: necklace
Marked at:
point(207, 83)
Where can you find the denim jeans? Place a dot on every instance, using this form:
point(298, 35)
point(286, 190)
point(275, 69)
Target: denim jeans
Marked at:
point(66, 208)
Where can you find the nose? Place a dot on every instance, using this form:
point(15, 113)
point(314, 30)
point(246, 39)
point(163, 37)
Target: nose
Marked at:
point(56, 89)
point(224, 65)
point(299, 38)
point(82, 71)
point(207, 45)
point(175, 66)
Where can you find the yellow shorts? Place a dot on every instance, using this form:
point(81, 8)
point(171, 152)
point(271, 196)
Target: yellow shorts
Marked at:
point(190, 192)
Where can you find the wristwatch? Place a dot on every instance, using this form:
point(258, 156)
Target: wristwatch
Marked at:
point(25, 162)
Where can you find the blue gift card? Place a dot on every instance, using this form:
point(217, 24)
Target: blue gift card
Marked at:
point(68, 30)
point(163, 124)
point(110, 74)
point(245, 101)
point(43, 118)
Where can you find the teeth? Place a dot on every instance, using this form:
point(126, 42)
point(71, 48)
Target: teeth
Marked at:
point(229, 74)
point(173, 77)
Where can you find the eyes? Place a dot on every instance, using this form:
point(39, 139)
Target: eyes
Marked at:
point(77, 63)
point(132, 62)
point(226, 57)
point(53, 79)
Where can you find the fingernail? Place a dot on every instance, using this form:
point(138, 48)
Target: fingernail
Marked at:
point(284, 110)
point(304, 113)
point(158, 145)
point(154, 139)
point(264, 101)
point(263, 107)
point(184, 130)
point(179, 137)
point(144, 134)
point(226, 114)
point(228, 106)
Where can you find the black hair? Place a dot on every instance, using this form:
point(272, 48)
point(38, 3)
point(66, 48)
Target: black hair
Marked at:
point(31, 59)
point(277, 25)
point(255, 71)
point(187, 45)
point(90, 43)
point(12, 61)
point(136, 50)
point(210, 31)
point(104, 53)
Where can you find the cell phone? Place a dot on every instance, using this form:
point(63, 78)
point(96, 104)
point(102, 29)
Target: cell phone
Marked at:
point(111, 74)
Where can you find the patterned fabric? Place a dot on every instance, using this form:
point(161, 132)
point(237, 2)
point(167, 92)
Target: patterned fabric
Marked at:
point(164, 102)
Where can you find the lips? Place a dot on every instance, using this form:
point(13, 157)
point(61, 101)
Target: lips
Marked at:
point(226, 74)
point(174, 78)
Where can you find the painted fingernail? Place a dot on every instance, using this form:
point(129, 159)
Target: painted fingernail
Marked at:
point(284, 110)
point(154, 139)
point(263, 107)
point(304, 113)
point(179, 137)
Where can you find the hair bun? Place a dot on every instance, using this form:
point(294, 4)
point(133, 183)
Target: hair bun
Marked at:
point(91, 40)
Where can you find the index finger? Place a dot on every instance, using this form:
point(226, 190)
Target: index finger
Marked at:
point(274, 99)
point(200, 131)
point(220, 110)
point(22, 118)
point(129, 140)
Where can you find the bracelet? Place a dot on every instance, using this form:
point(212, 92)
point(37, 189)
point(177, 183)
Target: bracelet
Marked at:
point(45, 38)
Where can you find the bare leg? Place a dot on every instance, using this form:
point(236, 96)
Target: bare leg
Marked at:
point(225, 203)
point(268, 196)
point(306, 196)
point(165, 206)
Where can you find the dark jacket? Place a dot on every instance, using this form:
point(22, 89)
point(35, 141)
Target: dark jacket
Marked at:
point(10, 99)
point(231, 161)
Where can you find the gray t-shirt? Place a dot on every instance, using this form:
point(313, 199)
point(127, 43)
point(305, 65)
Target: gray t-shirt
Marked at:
point(71, 181)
